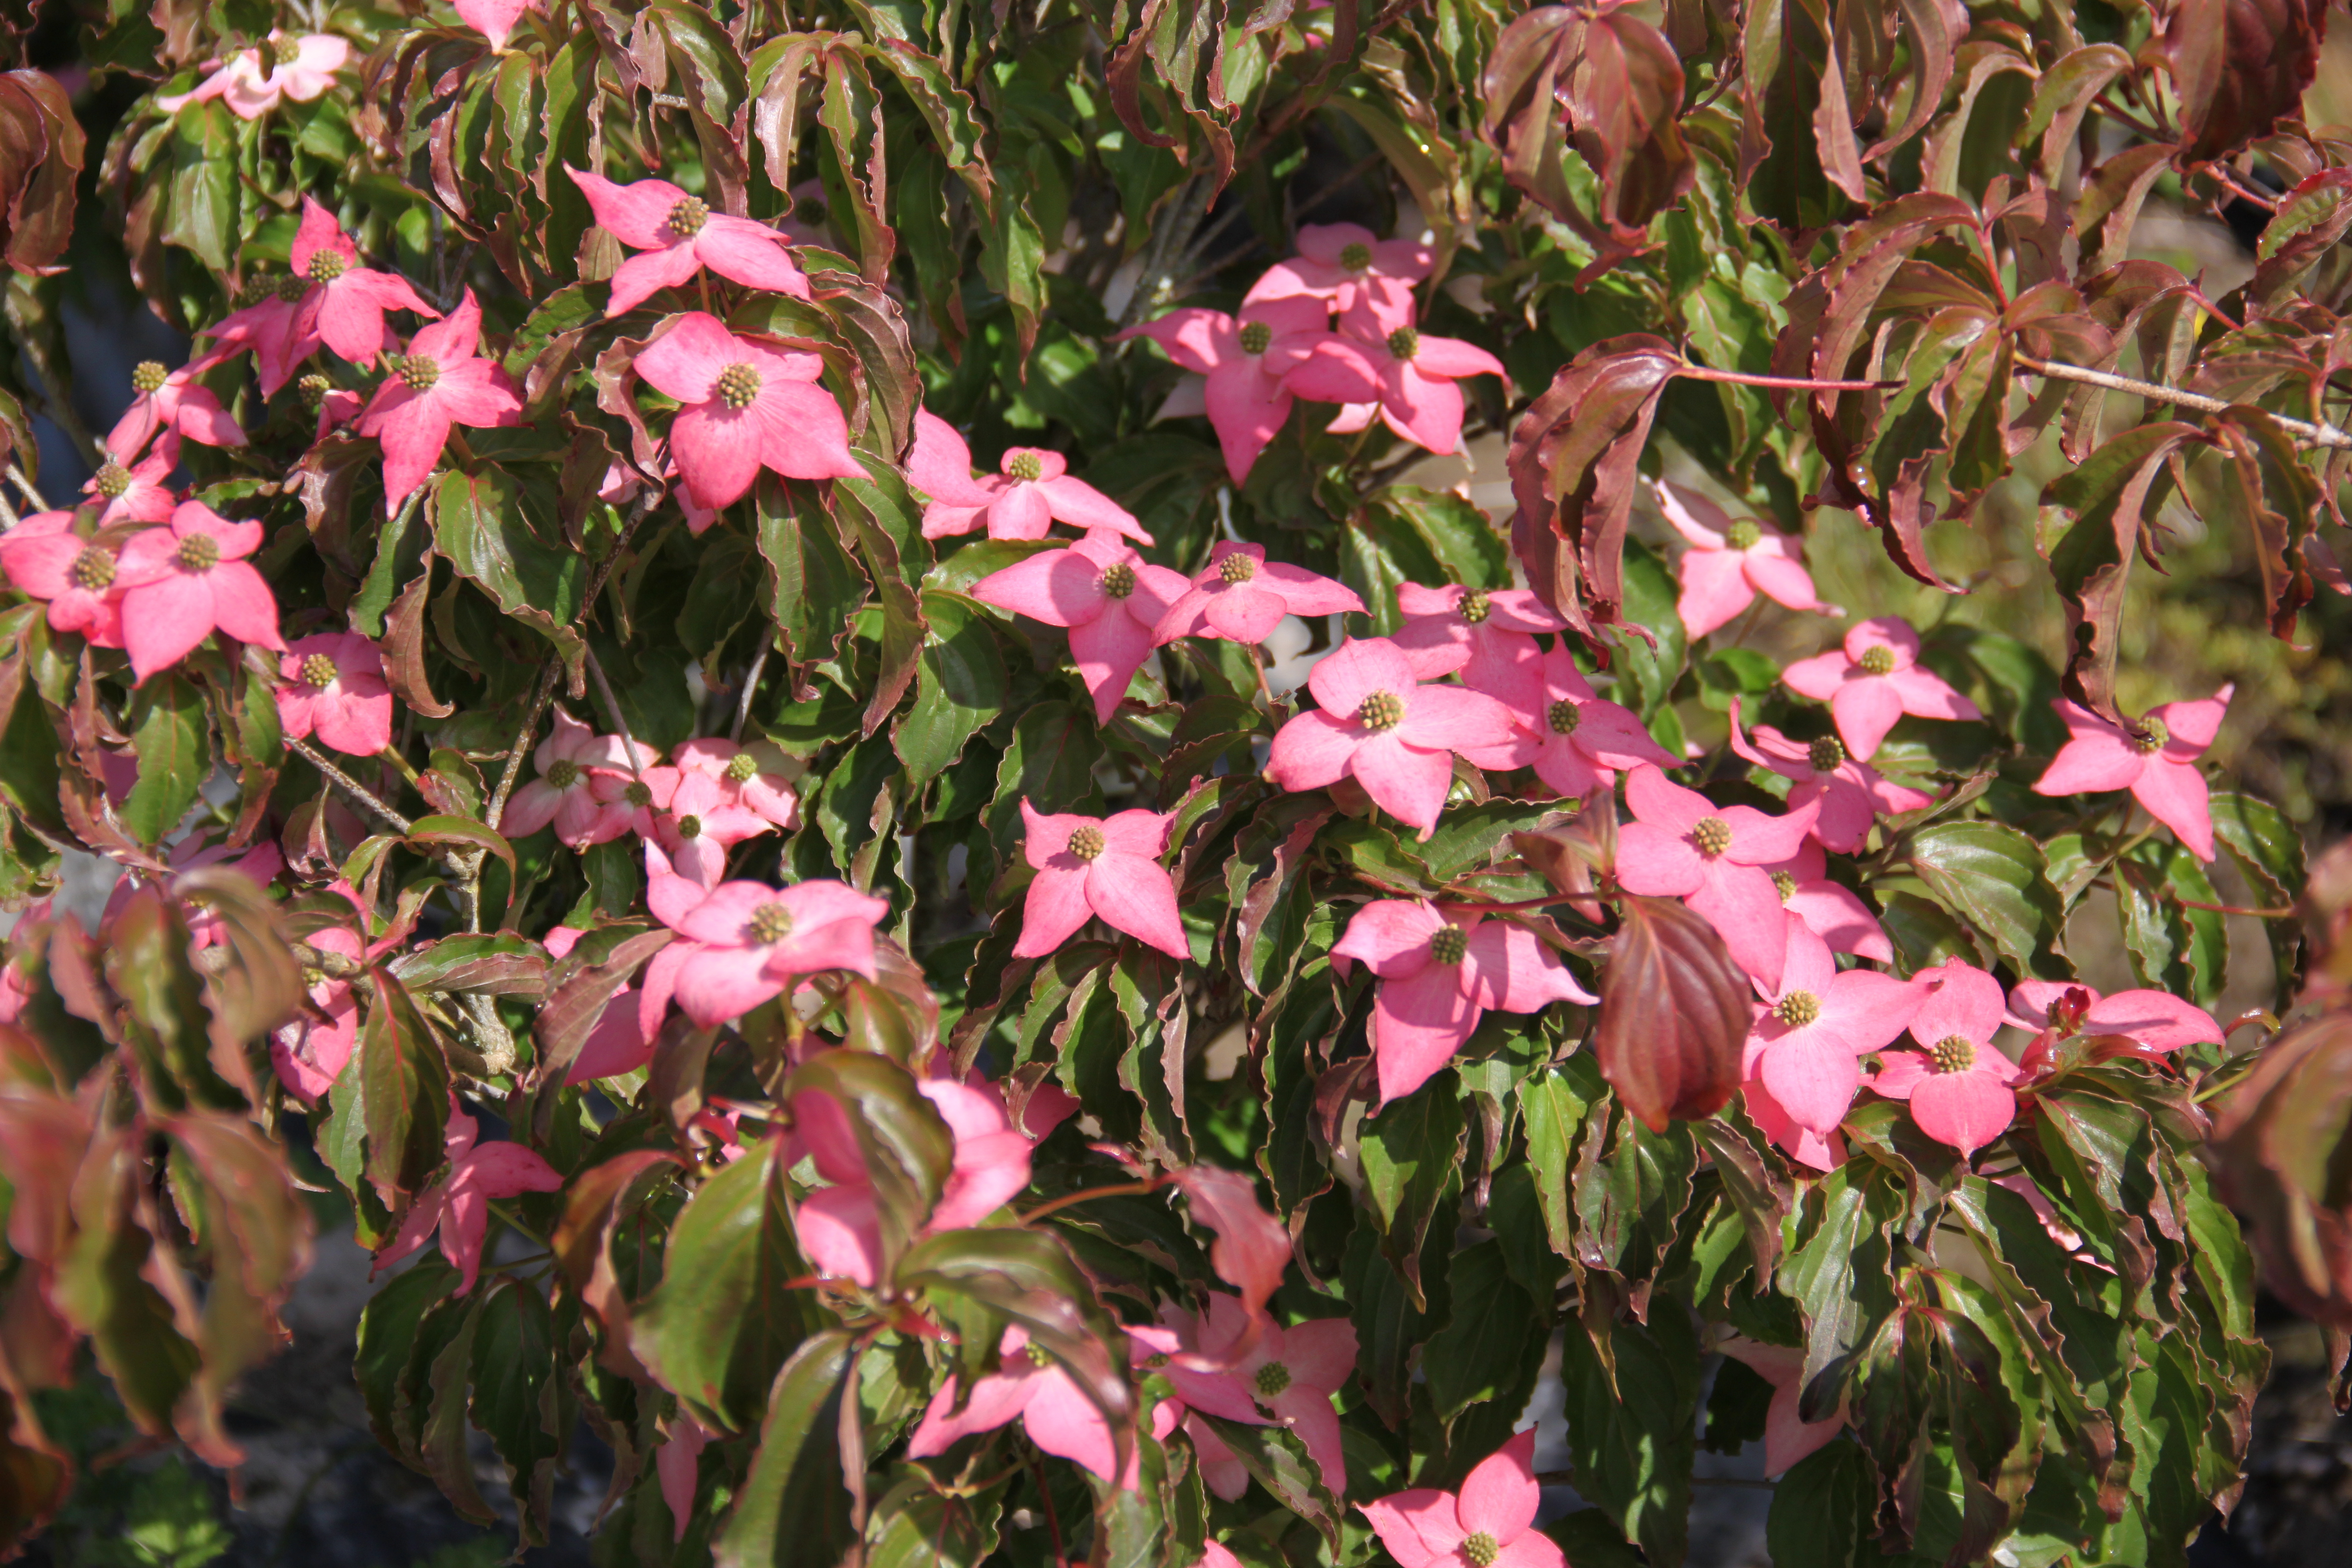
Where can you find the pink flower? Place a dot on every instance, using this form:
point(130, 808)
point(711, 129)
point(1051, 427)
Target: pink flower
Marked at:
point(1730, 562)
point(744, 406)
point(678, 235)
point(750, 782)
point(1334, 262)
point(262, 862)
point(619, 1043)
point(253, 80)
point(309, 1052)
point(1245, 359)
point(1377, 725)
point(1810, 1148)
point(1030, 1384)
point(2156, 1018)
point(1831, 910)
point(1109, 597)
point(1851, 794)
point(2156, 761)
point(345, 309)
point(1959, 1084)
point(1816, 1026)
point(1576, 741)
point(1033, 491)
point(678, 1464)
point(1487, 636)
point(1414, 375)
point(1440, 970)
point(1788, 1437)
point(136, 493)
point(79, 578)
point(332, 685)
point(494, 19)
point(1683, 846)
point(1873, 681)
point(172, 401)
point(1099, 866)
point(458, 1204)
point(1290, 1374)
point(637, 798)
point(337, 408)
point(439, 382)
point(564, 793)
point(747, 942)
point(701, 821)
point(183, 582)
point(281, 330)
point(1491, 1524)
point(1241, 596)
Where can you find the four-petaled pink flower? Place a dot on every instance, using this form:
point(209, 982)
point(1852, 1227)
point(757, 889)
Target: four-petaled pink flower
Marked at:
point(136, 493)
point(1440, 970)
point(2156, 760)
point(253, 80)
point(79, 578)
point(182, 582)
point(494, 19)
point(1682, 845)
point(751, 774)
point(635, 799)
point(309, 1052)
point(1109, 867)
point(332, 685)
point(1413, 372)
point(1730, 562)
point(439, 382)
point(702, 820)
point(1958, 1082)
point(1245, 359)
point(564, 793)
point(1831, 910)
point(1030, 1384)
point(1486, 634)
point(1336, 260)
point(1817, 1024)
point(1872, 680)
point(1377, 725)
point(2155, 1018)
point(747, 942)
point(676, 235)
point(742, 406)
point(172, 401)
point(1032, 492)
point(458, 1204)
point(345, 308)
point(1491, 1524)
point(1109, 597)
point(1788, 1437)
point(1289, 1375)
point(1577, 741)
point(1853, 795)
point(1241, 596)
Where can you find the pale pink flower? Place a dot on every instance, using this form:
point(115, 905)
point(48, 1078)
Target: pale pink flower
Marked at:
point(1109, 867)
point(742, 406)
point(171, 401)
point(676, 236)
point(1031, 1386)
point(458, 1204)
point(1831, 910)
point(637, 799)
point(1487, 636)
point(1244, 359)
point(332, 685)
point(494, 19)
point(79, 578)
point(1440, 968)
point(2156, 1018)
point(439, 382)
point(701, 821)
point(182, 582)
point(310, 1052)
point(2156, 760)
point(747, 942)
point(1817, 1024)
point(1336, 259)
point(1872, 681)
point(1730, 561)
point(564, 793)
point(1681, 845)
point(1490, 1525)
point(1109, 597)
point(136, 493)
point(253, 80)
point(1241, 596)
point(1788, 1437)
point(1853, 795)
point(1377, 725)
point(750, 773)
point(1958, 1082)
point(1577, 741)
point(345, 307)
point(1287, 1376)
point(1032, 491)
point(1414, 374)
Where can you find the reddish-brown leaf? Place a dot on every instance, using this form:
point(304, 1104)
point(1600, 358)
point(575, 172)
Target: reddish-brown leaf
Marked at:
point(1673, 1012)
point(41, 150)
point(2238, 65)
point(404, 649)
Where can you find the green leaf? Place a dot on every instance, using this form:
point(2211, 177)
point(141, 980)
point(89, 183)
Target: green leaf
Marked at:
point(1633, 1417)
point(1554, 1107)
point(1825, 1512)
point(456, 831)
point(519, 1396)
point(171, 731)
point(1492, 1346)
point(1991, 875)
point(1277, 1460)
point(405, 1084)
point(960, 686)
point(387, 1337)
point(1648, 671)
point(906, 1148)
point(814, 586)
point(1412, 1153)
point(503, 537)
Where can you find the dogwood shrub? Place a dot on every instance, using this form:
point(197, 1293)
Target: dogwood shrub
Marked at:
point(697, 688)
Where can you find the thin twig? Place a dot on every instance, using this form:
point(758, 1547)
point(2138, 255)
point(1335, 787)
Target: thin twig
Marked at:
point(359, 793)
point(750, 684)
point(1117, 1189)
point(2281, 914)
point(17, 477)
point(612, 711)
point(1793, 382)
point(2302, 429)
point(522, 747)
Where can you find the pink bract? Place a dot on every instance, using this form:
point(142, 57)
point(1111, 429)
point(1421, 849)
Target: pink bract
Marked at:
point(1490, 1522)
point(1853, 795)
point(1484, 635)
point(1872, 681)
point(494, 19)
point(144, 497)
point(439, 382)
point(703, 818)
point(179, 406)
point(1414, 373)
point(1287, 1378)
point(1241, 596)
point(1108, 867)
point(1817, 1024)
point(1245, 395)
point(253, 80)
point(678, 234)
point(350, 710)
point(2156, 761)
point(1109, 597)
point(1377, 725)
point(457, 1205)
point(1033, 491)
point(183, 582)
point(1334, 261)
point(310, 1052)
point(1720, 575)
point(747, 942)
point(1832, 910)
point(1034, 1388)
point(2156, 1018)
point(564, 793)
point(760, 783)
point(79, 578)
point(744, 406)
point(1788, 1437)
point(1576, 741)
point(345, 309)
point(1682, 845)
point(1958, 1082)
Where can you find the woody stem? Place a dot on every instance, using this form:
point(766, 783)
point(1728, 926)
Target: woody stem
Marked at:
point(2279, 914)
point(2301, 429)
point(1117, 1189)
point(612, 711)
point(358, 793)
point(1792, 382)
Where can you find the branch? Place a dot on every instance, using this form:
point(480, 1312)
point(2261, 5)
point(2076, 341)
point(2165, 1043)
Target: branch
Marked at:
point(1793, 382)
point(612, 711)
point(358, 793)
point(25, 486)
point(2302, 429)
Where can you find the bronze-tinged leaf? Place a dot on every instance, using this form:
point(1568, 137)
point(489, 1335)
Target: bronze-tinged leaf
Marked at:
point(41, 148)
point(2240, 66)
point(404, 649)
point(1623, 95)
point(1673, 1012)
point(2277, 1138)
point(2109, 498)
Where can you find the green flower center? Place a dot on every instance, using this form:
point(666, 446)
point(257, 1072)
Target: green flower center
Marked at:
point(1798, 1008)
point(1155, 1361)
point(562, 773)
point(1447, 944)
point(1878, 660)
point(1712, 834)
point(1743, 534)
point(291, 288)
point(114, 480)
point(770, 923)
point(1404, 343)
point(1256, 337)
point(326, 266)
point(690, 828)
point(737, 385)
point(148, 376)
point(419, 373)
point(1236, 568)
point(740, 767)
point(1826, 754)
point(1036, 1355)
point(2151, 736)
point(1356, 257)
point(314, 389)
point(1954, 1052)
point(1381, 710)
point(1025, 466)
point(1785, 885)
point(318, 672)
point(93, 569)
point(1565, 716)
point(687, 219)
point(1087, 843)
point(284, 52)
point(257, 289)
point(1272, 1379)
point(1481, 1549)
point(1477, 606)
point(640, 794)
point(197, 553)
point(1117, 580)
